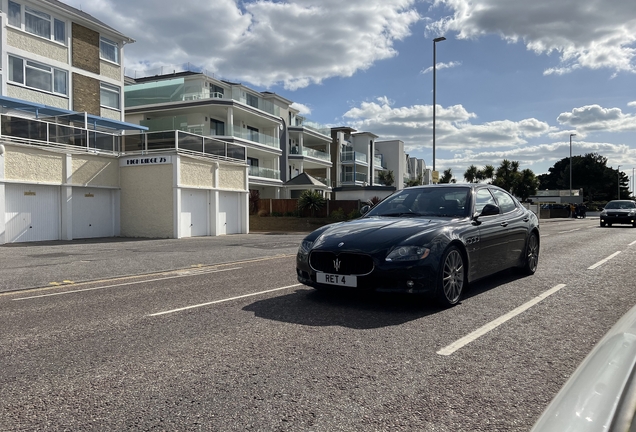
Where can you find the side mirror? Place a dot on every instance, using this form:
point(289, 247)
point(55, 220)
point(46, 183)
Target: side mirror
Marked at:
point(365, 209)
point(489, 210)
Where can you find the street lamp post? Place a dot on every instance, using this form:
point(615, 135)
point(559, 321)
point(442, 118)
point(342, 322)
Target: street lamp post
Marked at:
point(618, 181)
point(439, 39)
point(571, 135)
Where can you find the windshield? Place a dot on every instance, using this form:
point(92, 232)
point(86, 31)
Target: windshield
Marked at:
point(427, 201)
point(624, 205)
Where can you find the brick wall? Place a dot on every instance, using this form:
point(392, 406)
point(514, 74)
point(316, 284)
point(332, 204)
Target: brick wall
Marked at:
point(86, 94)
point(85, 45)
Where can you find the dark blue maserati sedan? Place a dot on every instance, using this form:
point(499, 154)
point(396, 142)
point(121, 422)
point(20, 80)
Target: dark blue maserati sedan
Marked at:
point(432, 240)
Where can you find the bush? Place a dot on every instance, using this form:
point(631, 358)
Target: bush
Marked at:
point(373, 200)
point(276, 214)
point(338, 215)
point(311, 200)
point(263, 213)
point(354, 214)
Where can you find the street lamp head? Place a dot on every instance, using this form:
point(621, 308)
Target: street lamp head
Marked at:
point(571, 135)
point(439, 39)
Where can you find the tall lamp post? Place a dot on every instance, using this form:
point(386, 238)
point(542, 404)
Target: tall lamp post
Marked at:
point(439, 39)
point(571, 135)
point(618, 181)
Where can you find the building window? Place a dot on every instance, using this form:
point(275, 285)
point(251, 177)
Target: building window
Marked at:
point(15, 14)
point(217, 127)
point(109, 95)
point(108, 50)
point(252, 100)
point(37, 22)
point(37, 75)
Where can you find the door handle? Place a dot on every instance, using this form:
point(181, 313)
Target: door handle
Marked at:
point(526, 219)
point(504, 224)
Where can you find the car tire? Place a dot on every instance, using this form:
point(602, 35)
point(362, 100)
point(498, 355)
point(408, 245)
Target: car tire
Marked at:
point(531, 255)
point(609, 225)
point(451, 278)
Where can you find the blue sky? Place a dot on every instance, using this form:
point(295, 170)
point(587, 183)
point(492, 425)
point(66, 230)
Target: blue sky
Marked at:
point(514, 78)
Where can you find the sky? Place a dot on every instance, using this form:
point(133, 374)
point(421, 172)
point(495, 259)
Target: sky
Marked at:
point(514, 78)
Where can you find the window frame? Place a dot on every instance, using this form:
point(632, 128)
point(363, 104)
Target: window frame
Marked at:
point(105, 41)
point(510, 207)
point(34, 66)
point(54, 23)
point(111, 88)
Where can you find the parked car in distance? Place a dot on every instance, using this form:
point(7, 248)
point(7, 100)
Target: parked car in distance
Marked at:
point(601, 394)
point(432, 240)
point(619, 212)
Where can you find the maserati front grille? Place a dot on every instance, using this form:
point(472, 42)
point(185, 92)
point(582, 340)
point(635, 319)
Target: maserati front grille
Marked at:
point(343, 263)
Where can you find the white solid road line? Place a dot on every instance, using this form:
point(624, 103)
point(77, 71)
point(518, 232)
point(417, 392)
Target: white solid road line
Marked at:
point(603, 261)
point(224, 300)
point(120, 284)
point(632, 243)
point(448, 350)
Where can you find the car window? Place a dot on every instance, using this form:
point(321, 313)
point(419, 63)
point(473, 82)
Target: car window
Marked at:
point(505, 201)
point(483, 197)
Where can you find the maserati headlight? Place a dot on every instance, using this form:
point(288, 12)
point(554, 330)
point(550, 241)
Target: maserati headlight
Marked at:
point(603, 213)
point(408, 253)
point(305, 247)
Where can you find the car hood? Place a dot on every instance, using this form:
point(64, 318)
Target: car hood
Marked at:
point(378, 233)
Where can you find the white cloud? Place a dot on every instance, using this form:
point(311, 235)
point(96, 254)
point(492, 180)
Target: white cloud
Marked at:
point(631, 104)
point(453, 127)
point(590, 34)
point(302, 109)
point(262, 42)
point(592, 118)
point(442, 66)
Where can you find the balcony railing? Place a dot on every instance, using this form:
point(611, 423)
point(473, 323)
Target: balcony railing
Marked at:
point(269, 173)
point(258, 137)
point(316, 154)
point(34, 131)
point(378, 162)
point(351, 156)
point(352, 177)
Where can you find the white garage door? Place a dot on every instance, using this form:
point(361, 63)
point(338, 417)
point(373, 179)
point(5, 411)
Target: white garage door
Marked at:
point(93, 213)
point(194, 213)
point(32, 213)
point(229, 213)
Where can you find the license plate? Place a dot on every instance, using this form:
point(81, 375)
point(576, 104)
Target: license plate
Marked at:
point(334, 279)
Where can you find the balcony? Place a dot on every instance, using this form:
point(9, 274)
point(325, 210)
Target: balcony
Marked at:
point(353, 177)
point(309, 152)
point(378, 162)
point(258, 137)
point(269, 173)
point(352, 156)
point(37, 132)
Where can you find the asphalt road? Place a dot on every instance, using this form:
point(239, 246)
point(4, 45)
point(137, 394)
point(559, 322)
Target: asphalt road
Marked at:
point(215, 334)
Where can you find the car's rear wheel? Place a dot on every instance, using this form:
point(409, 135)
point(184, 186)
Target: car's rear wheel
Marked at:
point(531, 258)
point(452, 277)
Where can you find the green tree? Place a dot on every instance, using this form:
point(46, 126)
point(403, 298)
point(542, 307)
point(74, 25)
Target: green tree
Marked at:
point(386, 177)
point(311, 200)
point(526, 185)
point(472, 174)
point(590, 173)
point(447, 176)
point(414, 182)
point(506, 176)
point(488, 173)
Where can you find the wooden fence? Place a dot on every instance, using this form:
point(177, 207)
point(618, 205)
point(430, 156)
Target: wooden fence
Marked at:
point(286, 207)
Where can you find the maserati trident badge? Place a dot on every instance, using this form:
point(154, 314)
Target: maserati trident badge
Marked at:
point(336, 264)
point(341, 244)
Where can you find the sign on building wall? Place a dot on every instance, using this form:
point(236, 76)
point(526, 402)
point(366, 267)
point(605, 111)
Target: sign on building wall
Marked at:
point(145, 160)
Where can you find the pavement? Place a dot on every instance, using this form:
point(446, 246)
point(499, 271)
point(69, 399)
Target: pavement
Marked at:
point(55, 263)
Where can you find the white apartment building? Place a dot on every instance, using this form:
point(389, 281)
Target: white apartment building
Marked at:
point(308, 151)
point(70, 167)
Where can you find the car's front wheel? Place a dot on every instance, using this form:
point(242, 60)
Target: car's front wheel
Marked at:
point(452, 277)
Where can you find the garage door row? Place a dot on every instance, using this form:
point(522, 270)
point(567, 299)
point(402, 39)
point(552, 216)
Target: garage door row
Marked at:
point(37, 213)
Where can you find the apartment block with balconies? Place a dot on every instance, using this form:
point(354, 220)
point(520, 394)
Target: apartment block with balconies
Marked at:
point(197, 103)
point(308, 151)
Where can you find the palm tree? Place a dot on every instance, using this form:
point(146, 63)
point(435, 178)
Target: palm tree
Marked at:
point(471, 174)
point(488, 172)
point(386, 177)
point(311, 200)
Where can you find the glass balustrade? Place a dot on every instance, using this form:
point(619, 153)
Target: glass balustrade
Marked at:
point(316, 153)
point(351, 177)
point(269, 173)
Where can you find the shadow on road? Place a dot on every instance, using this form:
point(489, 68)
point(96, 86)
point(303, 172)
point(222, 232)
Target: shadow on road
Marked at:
point(356, 310)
